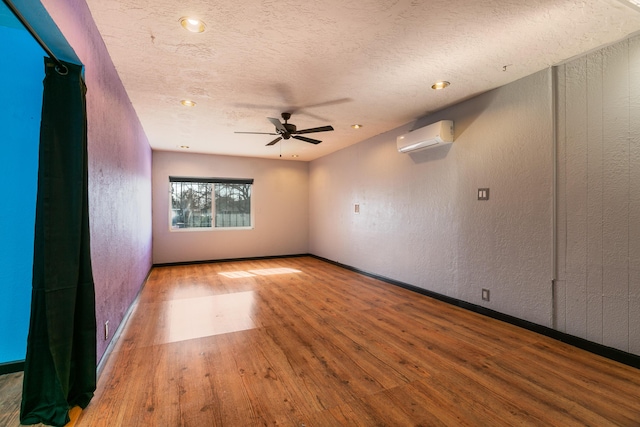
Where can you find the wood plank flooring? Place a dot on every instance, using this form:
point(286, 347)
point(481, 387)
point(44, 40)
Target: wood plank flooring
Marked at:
point(300, 342)
point(10, 394)
point(10, 397)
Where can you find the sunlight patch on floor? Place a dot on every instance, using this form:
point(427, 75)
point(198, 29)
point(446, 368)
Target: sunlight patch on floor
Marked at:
point(236, 274)
point(191, 318)
point(263, 272)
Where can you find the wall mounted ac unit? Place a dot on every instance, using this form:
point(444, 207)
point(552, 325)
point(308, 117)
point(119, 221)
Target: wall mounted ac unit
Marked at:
point(437, 134)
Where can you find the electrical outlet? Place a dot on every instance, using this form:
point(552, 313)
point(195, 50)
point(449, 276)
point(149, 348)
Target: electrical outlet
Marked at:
point(485, 294)
point(483, 194)
point(106, 330)
point(356, 208)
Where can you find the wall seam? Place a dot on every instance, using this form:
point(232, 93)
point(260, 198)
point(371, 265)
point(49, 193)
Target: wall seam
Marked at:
point(628, 46)
point(554, 230)
point(586, 264)
point(565, 219)
point(602, 197)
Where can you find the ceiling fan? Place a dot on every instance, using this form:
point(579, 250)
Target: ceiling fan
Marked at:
point(288, 130)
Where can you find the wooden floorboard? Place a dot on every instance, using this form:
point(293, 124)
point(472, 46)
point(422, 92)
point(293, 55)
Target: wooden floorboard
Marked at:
point(250, 343)
point(10, 395)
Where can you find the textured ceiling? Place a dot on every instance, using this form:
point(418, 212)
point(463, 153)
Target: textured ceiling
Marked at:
point(334, 62)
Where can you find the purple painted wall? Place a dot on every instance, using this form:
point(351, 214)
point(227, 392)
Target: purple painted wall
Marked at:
point(119, 172)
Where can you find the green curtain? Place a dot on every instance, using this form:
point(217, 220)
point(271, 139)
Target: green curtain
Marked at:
point(60, 366)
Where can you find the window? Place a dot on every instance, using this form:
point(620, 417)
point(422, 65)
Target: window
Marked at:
point(198, 203)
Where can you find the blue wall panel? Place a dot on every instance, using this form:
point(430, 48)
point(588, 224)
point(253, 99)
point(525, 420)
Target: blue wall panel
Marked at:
point(21, 75)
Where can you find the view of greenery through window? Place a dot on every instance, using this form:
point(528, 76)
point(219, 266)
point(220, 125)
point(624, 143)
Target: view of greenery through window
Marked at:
point(192, 203)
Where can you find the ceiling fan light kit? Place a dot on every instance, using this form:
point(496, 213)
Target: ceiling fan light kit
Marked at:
point(289, 130)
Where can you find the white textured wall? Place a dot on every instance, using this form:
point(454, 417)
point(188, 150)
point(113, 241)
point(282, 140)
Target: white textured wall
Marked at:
point(279, 201)
point(599, 197)
point(420, 221)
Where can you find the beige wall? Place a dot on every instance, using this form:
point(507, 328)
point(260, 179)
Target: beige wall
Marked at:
point(279, 201)
point(598, 292)
point(420, 221)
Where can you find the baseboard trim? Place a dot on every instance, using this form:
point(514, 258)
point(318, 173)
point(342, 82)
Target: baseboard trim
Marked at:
point(11, 367)
point(120, 328)
point(590, 346)
point(213, 261)
point(18, 366)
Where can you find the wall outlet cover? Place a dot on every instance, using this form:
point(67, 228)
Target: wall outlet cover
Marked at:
point(483, 194)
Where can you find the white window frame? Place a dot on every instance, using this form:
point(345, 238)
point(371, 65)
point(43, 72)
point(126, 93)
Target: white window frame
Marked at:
point(213, 215)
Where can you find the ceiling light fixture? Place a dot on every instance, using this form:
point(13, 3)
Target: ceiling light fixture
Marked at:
point(188, 103)
point(191, 24)
point(356, 126)
point(440, 85)
point(184, 147)
point(294, 156)
point(634, 4)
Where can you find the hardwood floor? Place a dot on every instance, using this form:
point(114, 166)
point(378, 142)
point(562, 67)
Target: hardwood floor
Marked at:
point(300, 342)
point(10, 396)
point(10, 393)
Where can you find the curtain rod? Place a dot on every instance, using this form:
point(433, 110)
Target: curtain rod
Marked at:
point(60, 67)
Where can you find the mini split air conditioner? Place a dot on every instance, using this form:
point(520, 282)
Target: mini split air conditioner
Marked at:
point(435, 135)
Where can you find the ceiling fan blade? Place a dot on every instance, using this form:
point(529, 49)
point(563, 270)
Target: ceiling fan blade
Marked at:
point(255, 106)
point(277, 124)
point(305, 139)
point(314, 116)
point(259, 133)
point(274, 141)
point(326, 103)
point(299, 108)
point(319, 129)
point(303, 108)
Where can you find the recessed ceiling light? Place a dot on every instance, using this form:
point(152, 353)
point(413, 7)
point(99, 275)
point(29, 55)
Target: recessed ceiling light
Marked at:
point(191, 24)
point(184, 147)
point(188, 103)
point(440, 85)
point(294, 155)
point(633, 4)
point(356, 126)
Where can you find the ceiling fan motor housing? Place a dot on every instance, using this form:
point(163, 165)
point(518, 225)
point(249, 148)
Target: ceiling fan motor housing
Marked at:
point(289, 130)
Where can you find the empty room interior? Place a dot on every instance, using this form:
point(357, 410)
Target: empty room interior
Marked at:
point(319, 213)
